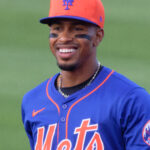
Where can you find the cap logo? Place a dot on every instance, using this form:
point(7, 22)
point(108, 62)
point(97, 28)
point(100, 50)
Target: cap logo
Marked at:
point(146, 133)
point(67, 3)
point(101, 19)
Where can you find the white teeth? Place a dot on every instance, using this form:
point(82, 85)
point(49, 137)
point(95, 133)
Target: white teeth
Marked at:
point(66, 50)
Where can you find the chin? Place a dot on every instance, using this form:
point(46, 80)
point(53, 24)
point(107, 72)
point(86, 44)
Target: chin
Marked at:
point(67, 67)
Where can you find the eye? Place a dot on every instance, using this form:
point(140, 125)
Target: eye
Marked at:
point(56, 28)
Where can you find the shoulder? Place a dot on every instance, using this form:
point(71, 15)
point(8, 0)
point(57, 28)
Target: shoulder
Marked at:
point(118, 83)
point(37, 93)
point(32, 96)
point(119, 80)
point(129, 88)
point(124, 91)
point(36, 90)
point(132, 100)
point(39, 89)
point(130, 107)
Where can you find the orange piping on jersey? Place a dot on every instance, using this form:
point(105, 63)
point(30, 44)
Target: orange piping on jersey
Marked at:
point(84, 98)
point(51, 98)
point(55, 105)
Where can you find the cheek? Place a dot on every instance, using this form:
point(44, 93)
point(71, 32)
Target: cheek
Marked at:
point(88, 41)
point(86, 47)
point(88, 44)
point(51, 45)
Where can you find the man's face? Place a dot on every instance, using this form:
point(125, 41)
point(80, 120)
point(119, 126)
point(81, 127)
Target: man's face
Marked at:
point(73, 43)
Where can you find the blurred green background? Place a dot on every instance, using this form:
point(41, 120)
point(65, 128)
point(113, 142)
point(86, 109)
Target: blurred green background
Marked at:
point(26, 61)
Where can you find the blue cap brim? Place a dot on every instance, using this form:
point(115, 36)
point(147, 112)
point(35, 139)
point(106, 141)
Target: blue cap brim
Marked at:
point(49, 20)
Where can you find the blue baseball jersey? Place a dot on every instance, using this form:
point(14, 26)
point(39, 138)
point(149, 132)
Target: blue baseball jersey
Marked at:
point(112, 113)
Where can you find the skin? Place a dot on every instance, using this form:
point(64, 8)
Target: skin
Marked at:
point(79, 65)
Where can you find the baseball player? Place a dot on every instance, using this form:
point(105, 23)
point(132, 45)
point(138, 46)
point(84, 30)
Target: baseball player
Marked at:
point(86, 106)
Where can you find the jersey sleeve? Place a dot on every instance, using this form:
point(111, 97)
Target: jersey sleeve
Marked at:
point(135, 120)
point(27, 124)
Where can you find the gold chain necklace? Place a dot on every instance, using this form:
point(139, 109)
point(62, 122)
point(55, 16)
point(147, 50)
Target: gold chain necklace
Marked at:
point(93, 77)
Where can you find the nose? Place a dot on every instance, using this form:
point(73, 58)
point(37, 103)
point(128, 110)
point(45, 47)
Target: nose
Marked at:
point(66, 36)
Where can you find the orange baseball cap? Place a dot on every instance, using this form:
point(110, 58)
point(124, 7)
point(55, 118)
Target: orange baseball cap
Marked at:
point(91, 11)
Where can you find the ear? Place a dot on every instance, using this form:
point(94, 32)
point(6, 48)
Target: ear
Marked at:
point(99, 36)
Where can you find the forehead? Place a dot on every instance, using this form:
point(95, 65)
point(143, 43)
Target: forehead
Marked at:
point(61, 21)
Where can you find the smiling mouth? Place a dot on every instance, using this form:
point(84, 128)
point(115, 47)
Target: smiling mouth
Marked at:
point(67, 50)
point(66, 53)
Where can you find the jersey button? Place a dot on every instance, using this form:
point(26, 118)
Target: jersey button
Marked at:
point(62, 119)
point(64, 106)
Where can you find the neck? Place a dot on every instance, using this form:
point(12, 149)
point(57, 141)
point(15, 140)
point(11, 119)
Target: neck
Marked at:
point(75, 77)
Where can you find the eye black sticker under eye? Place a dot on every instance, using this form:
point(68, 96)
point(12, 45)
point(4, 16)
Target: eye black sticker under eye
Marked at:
point(83, 36)
point(53, 35)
